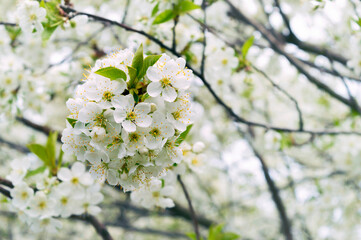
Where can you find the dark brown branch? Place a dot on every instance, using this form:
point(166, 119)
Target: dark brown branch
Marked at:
point(191, 209)
point(278, 46)
point(299, 112)
point(150, 231)
point(14, 146)
point(230, 112)
point(8, 24)
point(286, 224)
point(98, 226)
point(6, 183)
point(5, 192)
point(44, 129)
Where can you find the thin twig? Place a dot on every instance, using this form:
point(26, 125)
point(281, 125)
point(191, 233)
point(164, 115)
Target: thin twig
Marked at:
point(286, 224)
point(194, 217)
point(230, 112)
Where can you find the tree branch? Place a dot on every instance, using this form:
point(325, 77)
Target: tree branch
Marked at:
point(286, 224)
point(194, 217)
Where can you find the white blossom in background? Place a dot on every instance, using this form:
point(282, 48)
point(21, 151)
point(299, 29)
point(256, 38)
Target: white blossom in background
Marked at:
point(71, 192)
point(30, 16)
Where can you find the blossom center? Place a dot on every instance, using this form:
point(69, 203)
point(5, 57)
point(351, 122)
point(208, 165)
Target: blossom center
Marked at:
point(134, 137)
point(155, 132)
point(33, 17)
point(24, 195)
point(176, 115)
point(131, 116)
point(224, 61)
point(108, 96)
point(74, 180)
point(156, 194)
point(165, 82)
point(42, 205)
point(64, 200)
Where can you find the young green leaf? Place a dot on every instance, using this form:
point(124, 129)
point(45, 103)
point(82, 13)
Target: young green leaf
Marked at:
point(133, 75)
point(148, 62)
point(39, 151)
point(60, 158)
point(48, 31)
point(51, 147)
point(183, 135)
point(71, 121)
point(112, 73)
point(246, 46)
point(36, 171)
point(187, 6)
point(155, 9)
point(164, 16)
point(138, 59)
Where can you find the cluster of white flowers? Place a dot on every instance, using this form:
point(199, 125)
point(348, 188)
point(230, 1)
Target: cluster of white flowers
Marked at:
point(30, 15)
point(130, 131)
point(40, 198)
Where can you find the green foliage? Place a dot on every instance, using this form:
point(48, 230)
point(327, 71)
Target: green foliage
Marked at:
point(187, 6)
point(183, 135)
point(133, 75)
point(39, 151)
point(155, 10)
point(183, 7)
point(148, 62)
point(246, 46)
point(139, 68)
point(36, 171)
point(164, 16)
point(71, 121)
point(47, 154)
point(216, 233)
point(286, 140)
point(112, 73)
point(138, 59)
point(53, 18)
point(13, 32)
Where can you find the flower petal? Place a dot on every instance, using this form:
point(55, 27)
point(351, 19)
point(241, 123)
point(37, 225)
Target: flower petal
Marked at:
point(169, 94)
point(144, 121)
point(129, 126)
point(154, 89)
point(154, 74)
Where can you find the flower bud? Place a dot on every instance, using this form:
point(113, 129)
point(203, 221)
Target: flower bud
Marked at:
point(198, 147)
point(153, 108)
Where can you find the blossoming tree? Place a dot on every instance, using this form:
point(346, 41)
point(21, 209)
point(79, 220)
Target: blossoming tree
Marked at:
point(171, 119)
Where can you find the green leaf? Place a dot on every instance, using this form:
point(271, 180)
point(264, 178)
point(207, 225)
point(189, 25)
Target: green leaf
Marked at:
point(51, 147)
point(71, 121)
point(246, 46)
point(183, 135)
point(132, 73)
point(36, 171)
point(230, 236)
point(48, 31)
point(60, 158)
point(112, 73)
point(148, 62)
point(187, 6)
point(13, 32)
point(138, 59)
point(39, 151)
point(136, 97)
point(164, 16)
point(155, 9)
point(192, 236)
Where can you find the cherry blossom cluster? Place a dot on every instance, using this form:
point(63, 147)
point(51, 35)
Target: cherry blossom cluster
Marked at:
point(40, 198)
point(128, 119)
